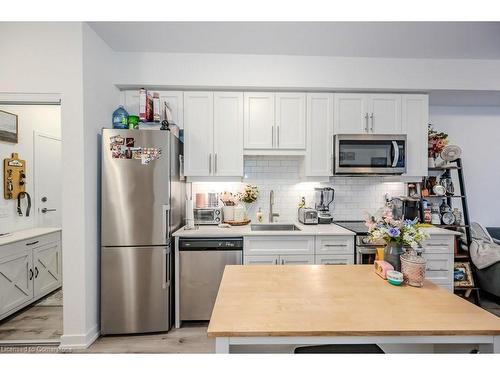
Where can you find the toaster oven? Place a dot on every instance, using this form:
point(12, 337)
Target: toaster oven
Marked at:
point(207, 215)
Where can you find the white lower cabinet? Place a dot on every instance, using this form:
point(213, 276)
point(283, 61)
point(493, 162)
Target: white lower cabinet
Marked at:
point(438, 252)
point(29, 269)
point(334, 259)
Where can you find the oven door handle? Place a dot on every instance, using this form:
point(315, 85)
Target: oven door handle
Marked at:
point(366, 250)
point(396, 153)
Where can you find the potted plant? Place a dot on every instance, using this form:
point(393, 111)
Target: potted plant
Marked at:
point(397, 234)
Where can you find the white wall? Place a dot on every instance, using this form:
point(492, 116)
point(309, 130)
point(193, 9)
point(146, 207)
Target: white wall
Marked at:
point(354, 196)
point(100, 98)
point(41, 118)
point(228, 70)
point(477, 131)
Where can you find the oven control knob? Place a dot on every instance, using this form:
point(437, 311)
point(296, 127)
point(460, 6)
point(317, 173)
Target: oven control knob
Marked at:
point(217, 212)
point(217, 219)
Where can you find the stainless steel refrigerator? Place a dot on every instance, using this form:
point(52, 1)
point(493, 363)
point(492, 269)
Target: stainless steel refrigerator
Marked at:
point(142, 203)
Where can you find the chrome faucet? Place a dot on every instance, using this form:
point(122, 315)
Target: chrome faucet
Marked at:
point(272, 214)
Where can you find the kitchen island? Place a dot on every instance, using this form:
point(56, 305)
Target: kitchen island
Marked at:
point(343, 304)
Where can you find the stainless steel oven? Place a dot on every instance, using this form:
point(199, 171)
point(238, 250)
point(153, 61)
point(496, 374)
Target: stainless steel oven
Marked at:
point(370, 154)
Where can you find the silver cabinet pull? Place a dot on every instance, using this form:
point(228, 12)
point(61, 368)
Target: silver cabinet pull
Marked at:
point(278, 136)
point(282, 262)
point(436, 245)
point(276, 261)
point(436, 269)
point(209, 163)
point(45, 210)
point(272, 136)
point(335, 245)
point(333, 153)
point(215, 163)
point(366, 122)
point(371, 118)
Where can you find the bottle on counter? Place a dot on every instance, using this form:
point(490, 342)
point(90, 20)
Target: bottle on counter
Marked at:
point(260, 216)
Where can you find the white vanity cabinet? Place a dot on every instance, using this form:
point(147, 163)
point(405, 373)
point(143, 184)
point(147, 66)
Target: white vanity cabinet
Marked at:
point(29, 269)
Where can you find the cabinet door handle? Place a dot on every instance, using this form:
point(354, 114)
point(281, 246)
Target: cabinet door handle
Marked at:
point(436, 269)
point(278, 136)
point(209, 163)
point(215, 164)
point(31, 274)
point(366, 122)
point(335, 245)
point(36, 272)
point(282, 262)
point(32, 243)
point(276, 261)
point(333, 152)
point(436, 245)
point(272, 136)
point(372, 118)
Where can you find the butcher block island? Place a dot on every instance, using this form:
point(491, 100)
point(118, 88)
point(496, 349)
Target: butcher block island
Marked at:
point(341, 304)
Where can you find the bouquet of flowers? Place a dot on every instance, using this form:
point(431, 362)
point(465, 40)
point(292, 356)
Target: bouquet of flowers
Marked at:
point(250, 194)
point(436, 141)
point(383, 226)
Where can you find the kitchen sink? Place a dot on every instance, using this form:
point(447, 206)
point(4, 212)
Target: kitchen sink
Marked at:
point(274, 227)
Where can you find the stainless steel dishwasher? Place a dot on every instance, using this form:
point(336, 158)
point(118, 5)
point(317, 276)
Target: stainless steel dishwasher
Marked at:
point(201, 263)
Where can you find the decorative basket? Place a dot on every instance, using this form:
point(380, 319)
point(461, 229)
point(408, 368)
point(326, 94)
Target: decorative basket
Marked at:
point(413, 268)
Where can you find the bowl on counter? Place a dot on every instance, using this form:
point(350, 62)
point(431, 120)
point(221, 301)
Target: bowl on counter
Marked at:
point(394, 277)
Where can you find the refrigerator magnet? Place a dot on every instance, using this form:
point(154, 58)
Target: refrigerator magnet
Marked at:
point(129, 142)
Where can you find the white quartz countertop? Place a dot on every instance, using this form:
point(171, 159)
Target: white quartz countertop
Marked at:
point(245, 230)
point(305, 230)
point(24, 234)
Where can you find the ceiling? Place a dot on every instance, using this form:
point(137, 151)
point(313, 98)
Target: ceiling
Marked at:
point(461, 40)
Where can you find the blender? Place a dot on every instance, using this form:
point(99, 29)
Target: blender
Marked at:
point(324, 197)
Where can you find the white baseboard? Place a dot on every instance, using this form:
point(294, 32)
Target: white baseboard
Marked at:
point(80, 341)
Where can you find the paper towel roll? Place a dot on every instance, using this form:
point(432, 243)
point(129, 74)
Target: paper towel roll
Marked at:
point(189, 214)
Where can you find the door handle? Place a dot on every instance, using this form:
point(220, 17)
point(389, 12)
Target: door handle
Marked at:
point(436, 269)
point(209, 163)
point(278, 136)
point(45, 210)
point(32, 243)
point(31, 274)
point(166, 222)
point(215, 164)
point(396, 153)
point(366, 122)
point(164, 264)
point(282, 262)
point(36, 272)
point(272, 136)
point(372, 118)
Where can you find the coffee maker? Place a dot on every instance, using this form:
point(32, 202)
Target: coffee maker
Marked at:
point(324, 197)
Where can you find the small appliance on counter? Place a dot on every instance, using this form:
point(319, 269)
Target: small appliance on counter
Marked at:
point(405, 208)
point(324, 197)
point(308, 216)
point(208, 215)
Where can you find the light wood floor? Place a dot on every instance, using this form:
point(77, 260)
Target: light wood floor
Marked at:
point(42, 320)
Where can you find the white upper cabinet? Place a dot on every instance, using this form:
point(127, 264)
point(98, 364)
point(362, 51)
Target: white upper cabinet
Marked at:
point(367, 113)
point(198, 133)
point(351, 114)
point(290, 121)
point(275, 121)
point(228, 134)
point(174, 100)
point(319, 155)
point(259, 132)
point(415, 111)
point(385, 113)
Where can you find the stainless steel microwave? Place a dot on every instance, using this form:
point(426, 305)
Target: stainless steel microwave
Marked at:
point(370, 154)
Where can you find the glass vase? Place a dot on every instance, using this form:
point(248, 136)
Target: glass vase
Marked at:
point(392, 253)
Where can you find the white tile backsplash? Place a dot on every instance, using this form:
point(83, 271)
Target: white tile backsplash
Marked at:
point(354, 196)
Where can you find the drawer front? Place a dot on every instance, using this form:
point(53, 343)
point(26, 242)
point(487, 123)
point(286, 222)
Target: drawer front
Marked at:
point(296, 259)
point(275, 245)
point(439, 268)
point(334, 259)
point(29, 243)
point(261, 259)
point(439, 244)
point(335, 245)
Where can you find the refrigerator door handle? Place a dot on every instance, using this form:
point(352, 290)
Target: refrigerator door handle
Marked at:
point(165, 269)
point(166, 223)
point(169, 260)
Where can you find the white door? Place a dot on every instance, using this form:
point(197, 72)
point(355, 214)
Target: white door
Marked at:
point(16, 281)
point(350, 113)
point(415, 119)
point(296, 259)
point(47, 264)
point(385, 113)
point(319, 161)
point(228, 133)
point(47, 168)
point(259, 129)
point(198, 133)
point(261, 259)
point(291, 120)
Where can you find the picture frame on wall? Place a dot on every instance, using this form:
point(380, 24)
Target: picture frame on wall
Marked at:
point(462, 275)
point(8, 127)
